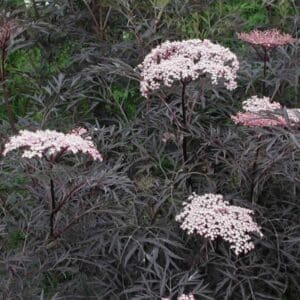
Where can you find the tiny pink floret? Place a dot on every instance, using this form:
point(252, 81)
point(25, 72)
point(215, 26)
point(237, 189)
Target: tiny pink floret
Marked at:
point(211, 217)
point(48, 143)
point(185, 61)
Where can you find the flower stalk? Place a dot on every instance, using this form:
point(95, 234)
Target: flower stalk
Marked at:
point(186, 61)
point(254, 171)
point(53, 212)
point(265, 70)
point(184, 122)
point(35, 8)
point(267, 40)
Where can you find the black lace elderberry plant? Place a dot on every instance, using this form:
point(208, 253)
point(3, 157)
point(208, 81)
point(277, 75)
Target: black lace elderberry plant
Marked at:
point(50, 146)
point(259, 112)
point(266, 41)
point(184, 62)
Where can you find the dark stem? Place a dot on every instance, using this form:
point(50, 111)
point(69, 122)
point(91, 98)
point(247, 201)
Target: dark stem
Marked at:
point(103, 23)
point(6, 94)
point(265, 69)
point(36, 12)
point(254, 171)
point(61, 204)
point(199, 99)
point(265, 62)
point(96, 23)
point(184, 142)
point(184, 126)
point(269, 9)
point(257, 52)
point(53, 209)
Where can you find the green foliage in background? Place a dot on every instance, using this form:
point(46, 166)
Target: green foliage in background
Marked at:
point(28, 70)
point(15, 239)
point(126, 99)
point(222, 19)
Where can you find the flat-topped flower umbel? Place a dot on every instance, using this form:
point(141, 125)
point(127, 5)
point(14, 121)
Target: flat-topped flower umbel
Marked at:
point(185, 61)
point(211, 216)
point(267, 39)
point(256, 104)
point(181, 62)
point(50, 144)
point(260, 112)
point(254, 120)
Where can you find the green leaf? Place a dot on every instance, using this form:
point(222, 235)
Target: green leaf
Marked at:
point(161, 3)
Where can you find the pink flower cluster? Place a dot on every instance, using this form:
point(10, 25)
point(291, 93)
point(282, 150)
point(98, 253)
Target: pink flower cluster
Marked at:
point(182, 297)
point(211, 216)
point(255, 105)
point(267, 39)
point(259, 112)
point(254, 120)
point(49, 143)
point(185, 61)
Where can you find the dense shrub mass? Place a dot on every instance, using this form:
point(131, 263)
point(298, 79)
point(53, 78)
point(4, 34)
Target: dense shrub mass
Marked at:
point(156, 149)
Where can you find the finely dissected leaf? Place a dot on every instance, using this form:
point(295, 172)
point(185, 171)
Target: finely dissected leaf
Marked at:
point(74, 64)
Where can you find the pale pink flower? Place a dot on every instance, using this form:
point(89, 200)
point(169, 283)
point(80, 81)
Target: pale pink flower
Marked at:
point(293, 114)
point(182, 297)
point(211, 216)
point(185, 61)
point(267, 39)
point(50, 143)
point(258, 120)
point(259, 112)
point(79, 131)
point(255, 105)
point(168, 137)
point(186, 297)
